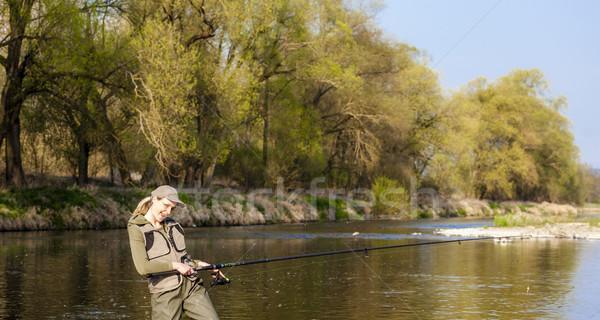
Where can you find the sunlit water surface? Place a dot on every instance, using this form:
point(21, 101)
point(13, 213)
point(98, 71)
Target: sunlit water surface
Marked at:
point(90, 275)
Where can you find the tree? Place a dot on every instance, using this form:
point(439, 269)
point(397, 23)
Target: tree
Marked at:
point(78, 76)
point(164, 84)
point(20, 44)
point(515, 143)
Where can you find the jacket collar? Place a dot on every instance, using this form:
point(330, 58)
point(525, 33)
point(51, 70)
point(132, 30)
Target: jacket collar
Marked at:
point(141, 220)
point(138, 220)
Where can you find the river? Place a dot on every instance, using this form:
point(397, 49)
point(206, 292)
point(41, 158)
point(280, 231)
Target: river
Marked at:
point(90, 275)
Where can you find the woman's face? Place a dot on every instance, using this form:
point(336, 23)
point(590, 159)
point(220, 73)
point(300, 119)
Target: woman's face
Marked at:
point(161, 208)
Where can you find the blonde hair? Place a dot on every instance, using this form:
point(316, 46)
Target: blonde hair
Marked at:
point(143, 206)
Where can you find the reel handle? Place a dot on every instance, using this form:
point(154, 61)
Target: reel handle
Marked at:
point(219, 279)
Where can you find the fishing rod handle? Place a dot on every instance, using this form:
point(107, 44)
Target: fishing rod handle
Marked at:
point(172, 272)
point(217, 266)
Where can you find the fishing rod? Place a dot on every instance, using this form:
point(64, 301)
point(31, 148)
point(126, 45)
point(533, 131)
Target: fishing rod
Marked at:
point(364, 250)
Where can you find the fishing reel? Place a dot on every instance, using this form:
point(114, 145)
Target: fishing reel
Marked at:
point(219, 279)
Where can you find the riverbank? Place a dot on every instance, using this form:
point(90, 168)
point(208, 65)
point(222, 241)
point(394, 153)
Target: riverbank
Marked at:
point(577, 230)
point(48, 208)
point(51, 208)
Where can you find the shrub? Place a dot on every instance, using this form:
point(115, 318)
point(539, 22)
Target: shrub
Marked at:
point(501, 221)
point(324, 204)
point(127, 198)
point(424, 214)
point(390, 197)
point(595, 222)
point(525, 219)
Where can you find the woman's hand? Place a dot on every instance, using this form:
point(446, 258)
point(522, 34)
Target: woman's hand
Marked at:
point(215, 273)
point(183, 268)
point(201, 263)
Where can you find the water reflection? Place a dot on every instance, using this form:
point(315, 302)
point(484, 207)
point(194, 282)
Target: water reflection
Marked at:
point(13, 288)
point(89, 275)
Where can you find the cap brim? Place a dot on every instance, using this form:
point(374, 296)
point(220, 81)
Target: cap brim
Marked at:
point(175, 199)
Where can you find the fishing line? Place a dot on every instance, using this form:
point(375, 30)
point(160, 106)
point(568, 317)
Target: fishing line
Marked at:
point(296, 266)
point(363, 260)
point(330, 260)
point(238, 261)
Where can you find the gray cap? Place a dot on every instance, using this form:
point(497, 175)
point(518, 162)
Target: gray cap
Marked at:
point(167, 192)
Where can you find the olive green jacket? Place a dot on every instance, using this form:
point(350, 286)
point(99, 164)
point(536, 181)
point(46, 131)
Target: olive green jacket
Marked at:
point(154, 250)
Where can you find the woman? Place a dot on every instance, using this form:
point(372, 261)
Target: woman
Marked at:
point(157, 244)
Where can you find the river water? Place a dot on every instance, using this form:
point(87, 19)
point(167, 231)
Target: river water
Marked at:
point(90, 275)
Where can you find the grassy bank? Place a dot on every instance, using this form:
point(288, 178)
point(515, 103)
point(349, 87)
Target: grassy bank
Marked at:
point(50, 208)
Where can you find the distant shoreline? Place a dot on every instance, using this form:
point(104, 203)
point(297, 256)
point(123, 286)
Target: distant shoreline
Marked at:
point(576, 230)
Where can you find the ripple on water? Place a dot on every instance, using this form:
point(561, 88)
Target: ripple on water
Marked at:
point(87, 312)
point(343, 235)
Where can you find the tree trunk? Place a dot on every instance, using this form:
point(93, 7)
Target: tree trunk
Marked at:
point(14, 163)
point(114, 150)
point(13, 93)
point(181, 178)
point(83, 161)
point(111, 170)
point(190, 175)
point(209, 173)
point(15, 174)
point(121, 161)
point(265, 145)
point(149, 175)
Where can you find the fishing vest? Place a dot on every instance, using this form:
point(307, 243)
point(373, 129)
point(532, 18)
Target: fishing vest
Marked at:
point(169, 248)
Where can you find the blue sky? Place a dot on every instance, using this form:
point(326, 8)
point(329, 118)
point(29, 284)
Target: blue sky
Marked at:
point(467, 39)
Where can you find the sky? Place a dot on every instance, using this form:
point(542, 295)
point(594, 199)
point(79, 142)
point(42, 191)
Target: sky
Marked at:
point(466, 39)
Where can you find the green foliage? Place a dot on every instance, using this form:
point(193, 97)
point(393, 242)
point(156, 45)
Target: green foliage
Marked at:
point(186, 198)
point(244, 163)
point(324, 206)
point(54, 198)
point(424, 214)
point(9, 211)
point(594, 222)
point(513, 142)
point(127, 198)
point(502, 221)
point(164, 83)
point(524, 207)
point(249, 92)
point(17, 201)
point(524, 219)
point(390, 197)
